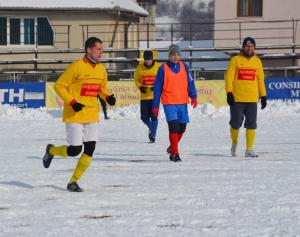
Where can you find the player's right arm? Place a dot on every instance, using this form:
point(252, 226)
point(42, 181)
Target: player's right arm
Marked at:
point(230, 74)
point(62, 84)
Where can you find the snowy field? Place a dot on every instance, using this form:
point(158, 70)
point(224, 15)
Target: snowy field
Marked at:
point(133, 190)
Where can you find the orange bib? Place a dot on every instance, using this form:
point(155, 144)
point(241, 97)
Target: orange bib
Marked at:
point(175, 90)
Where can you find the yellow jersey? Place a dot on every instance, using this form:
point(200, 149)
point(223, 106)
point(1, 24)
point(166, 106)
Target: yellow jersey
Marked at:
point(82, 81)
point(245, 78)
point(145, 77)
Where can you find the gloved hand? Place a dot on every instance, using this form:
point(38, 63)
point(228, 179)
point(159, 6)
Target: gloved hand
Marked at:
point(263, 102)
point(230, 99)
point(143, 89)
point(155, 112)
point(194, 102)
point(76, 106)
point(111, 100)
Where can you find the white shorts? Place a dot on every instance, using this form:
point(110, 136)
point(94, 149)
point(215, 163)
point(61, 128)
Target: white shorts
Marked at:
point(77, 133)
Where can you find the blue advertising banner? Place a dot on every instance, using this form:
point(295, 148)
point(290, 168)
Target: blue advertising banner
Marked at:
point(23, 95)
point(283, 88)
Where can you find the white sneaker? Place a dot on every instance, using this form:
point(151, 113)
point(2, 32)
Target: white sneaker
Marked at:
point(250, 153)
point(233, 149)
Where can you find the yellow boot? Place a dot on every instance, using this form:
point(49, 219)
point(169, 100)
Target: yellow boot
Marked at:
point(234, 138)
point(82, 165)
point(250, 137)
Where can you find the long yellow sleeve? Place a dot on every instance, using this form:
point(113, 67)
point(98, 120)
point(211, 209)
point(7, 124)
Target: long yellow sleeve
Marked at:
point(137, 78)
point(230, 75)
point(62, 84)
point(104, 92)
point(261, 81)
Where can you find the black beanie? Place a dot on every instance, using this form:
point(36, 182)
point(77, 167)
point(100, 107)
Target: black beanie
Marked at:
point(248, 40)
point(148, 55)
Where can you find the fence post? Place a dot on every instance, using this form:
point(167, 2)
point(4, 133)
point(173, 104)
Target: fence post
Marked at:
point(138, 34)
point(294, 46)
point(190, 47)
point(87, 31)
point(83, 37)
point(68, 36)
point(240, 32)
point(35, 50)
point(171, 33)
point(148, 36)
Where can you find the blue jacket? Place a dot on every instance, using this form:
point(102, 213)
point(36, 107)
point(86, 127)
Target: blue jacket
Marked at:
point(159, 82)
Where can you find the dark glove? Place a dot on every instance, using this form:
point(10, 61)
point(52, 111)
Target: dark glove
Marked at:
point(263, 102)
point(77, 106)
point(230, 99)
point(143, 89)
point(111, 100)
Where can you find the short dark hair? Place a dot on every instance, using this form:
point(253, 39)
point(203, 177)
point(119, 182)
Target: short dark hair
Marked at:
point(90, 42)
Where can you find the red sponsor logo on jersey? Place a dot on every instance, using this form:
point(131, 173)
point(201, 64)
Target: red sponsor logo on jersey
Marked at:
point(148, 80)
point(91, 90)
point(246, 74)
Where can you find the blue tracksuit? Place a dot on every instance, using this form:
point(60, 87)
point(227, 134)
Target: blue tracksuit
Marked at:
point(159, 82)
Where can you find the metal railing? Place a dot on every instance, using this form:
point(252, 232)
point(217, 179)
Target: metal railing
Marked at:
point(197, 40)
point(229, 31)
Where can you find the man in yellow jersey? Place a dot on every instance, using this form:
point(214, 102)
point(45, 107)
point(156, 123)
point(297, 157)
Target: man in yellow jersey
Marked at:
point(79, 87)
point(144, 79)
point(244, 84)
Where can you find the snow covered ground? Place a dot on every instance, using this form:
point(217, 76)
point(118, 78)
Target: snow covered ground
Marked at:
point(132, 189)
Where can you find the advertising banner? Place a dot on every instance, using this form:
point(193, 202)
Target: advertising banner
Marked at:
point(283, 88)
point(23, 95)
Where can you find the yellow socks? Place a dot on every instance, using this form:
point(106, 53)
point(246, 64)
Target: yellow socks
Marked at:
point(82, 165)
point(250, 137)
point(234, 135)
point(59, 151)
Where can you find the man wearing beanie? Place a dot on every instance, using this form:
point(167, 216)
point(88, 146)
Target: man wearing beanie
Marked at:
point(173, 86)
point(144, 79)
point(244, 84)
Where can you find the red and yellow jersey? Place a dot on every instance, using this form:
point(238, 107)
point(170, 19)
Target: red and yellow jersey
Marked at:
point(146, 77)
point(82, 81)
point(175, 89)
point(245, 78)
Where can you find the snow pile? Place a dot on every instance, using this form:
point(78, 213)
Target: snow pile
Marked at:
point(282, 108)
point(274, 108)
point(128, 112)
point(8, 112)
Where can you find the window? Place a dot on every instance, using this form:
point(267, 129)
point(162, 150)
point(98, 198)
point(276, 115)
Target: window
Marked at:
point(15, 32)
point(3, 31)
point(25, 31)
point(250, 7)
point(45, 32)
point(28, 31)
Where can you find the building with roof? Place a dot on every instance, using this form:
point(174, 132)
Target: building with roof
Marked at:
point(273, 23)
point(66, 24)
